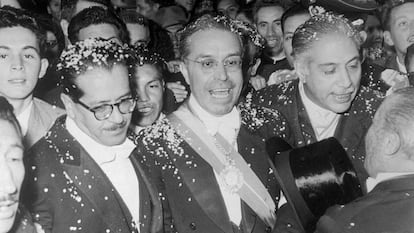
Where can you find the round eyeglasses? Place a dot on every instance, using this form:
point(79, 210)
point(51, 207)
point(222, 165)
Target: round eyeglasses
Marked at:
point(104, 111)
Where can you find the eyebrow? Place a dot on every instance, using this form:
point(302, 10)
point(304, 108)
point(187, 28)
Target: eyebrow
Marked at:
point(108, 101)
point(27, 47)
point(15, 145)
point(211, 56)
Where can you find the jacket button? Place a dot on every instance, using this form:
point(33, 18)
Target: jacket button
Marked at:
point(193, 226)
point(268, 229)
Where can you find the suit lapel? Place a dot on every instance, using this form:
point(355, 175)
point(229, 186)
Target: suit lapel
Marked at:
point(89, 179)
point(35, 127)
point(149, 201)
point(349, 132)
point(307, 133)
point(203, 185)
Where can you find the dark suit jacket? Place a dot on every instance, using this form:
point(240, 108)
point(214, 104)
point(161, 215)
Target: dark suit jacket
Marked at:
point(188, 182)
point(351, 128)
point(389, 207)
point(67, 191)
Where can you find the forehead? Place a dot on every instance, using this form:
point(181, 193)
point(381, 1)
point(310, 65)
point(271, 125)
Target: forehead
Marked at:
point(215, 43)
point(147, 73)
point(101, 84)
point(269, 13)
point(9, 134)
point(404, 10)
point(18, 37)
point(103, 30)
point(333, 48)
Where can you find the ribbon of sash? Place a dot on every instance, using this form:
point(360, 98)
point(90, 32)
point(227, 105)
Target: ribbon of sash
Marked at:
point(252, 191)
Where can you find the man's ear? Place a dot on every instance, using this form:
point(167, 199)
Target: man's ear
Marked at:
point(184, 71)
point(363, 35)
point(301, 69)
point(388, 39)
point(392, 143)
point(44, 64)
point(69, 105)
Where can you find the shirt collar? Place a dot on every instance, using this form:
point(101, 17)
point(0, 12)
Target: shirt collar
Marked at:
point(319, 116)
point(372, 182)
point(401, 66)
point(24, 116)
point(100, 153)
point(213, 123)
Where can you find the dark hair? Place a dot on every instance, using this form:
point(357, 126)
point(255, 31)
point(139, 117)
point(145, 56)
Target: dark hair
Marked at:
point(143, 56)
point(409, 57)
point(68, 7)
point(205, 22)
point(12, 17)
point(317, 27)
point(89, 54)
point(93, 16)
point(297, 9)
point(266, 3)
point(6, 113)
point(387, 9)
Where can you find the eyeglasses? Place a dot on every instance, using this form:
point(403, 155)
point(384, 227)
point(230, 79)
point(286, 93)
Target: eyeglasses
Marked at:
point(104, 111)
point(209, 65)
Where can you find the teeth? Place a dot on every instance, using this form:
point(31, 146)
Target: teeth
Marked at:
point(220, 93)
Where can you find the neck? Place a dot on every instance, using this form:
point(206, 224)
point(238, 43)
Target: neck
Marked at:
point(20, 105)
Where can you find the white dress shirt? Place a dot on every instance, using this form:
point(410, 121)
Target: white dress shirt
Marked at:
point(115, 163)
point(372, 182)
point(228, 126)
point(323, 121)
point(23, 118)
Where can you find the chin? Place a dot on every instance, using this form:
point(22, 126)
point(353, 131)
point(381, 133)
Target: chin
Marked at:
point(6, 224)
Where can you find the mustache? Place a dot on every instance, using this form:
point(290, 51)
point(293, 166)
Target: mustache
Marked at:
point(117, 126)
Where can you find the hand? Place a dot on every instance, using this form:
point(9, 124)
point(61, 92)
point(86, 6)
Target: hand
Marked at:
point(394, 79)
point(179, 91)
point(258, 82)
point(280, 76)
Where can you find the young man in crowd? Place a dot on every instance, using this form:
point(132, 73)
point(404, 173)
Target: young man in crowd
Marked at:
point(22, 63)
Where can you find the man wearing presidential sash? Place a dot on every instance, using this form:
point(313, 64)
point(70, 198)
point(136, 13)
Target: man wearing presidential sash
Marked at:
point(208, 157)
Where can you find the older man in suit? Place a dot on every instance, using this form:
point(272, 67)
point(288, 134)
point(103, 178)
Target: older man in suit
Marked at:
point(82, 176)
point(389, 205)
point(213, 168)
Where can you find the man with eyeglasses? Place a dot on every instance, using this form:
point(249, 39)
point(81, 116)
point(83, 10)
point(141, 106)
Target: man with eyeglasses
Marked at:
point(82, 176)
point(210, 161)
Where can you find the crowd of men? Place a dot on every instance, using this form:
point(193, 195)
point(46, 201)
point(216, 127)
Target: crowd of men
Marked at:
point(174, 116)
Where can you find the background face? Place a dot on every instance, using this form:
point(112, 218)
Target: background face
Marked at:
point(268, 25)
point(20, 63)
point(332, 73)
point(401, 33)
point(138, 34)
point(187, 4)
point(228, 7)
point(101, 86)
point(291, 24)
point(216, 92)
point(150, 94)
point(11, 173)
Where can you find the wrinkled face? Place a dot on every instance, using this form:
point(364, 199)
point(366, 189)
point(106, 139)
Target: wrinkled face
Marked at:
point(20, 63)
point(291, 24)
point(138, 34)
point(401, 33)
point(54, 8)
point(332, 72)
point(187, 4)
point(11, 173)
point(228, 7)
point(104, 30)
point(216, 88)
point(268, 25)
point(101, 86)
point(150, 90)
